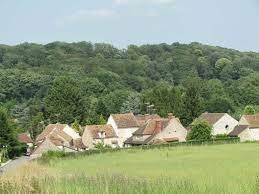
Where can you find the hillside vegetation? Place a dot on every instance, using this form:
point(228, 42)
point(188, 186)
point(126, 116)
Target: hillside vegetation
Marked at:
point(64, 82)
point(231, 168)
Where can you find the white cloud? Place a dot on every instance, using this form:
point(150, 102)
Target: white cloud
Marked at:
point(87, 15)
point(144, 2)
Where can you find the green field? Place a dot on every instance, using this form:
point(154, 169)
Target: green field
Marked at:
point(230, 168)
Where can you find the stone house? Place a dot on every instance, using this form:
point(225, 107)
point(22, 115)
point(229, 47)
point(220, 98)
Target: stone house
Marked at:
point(158, 130)
point(62, 136)
point(248, 128)
point(222, 123)
point(94, 134)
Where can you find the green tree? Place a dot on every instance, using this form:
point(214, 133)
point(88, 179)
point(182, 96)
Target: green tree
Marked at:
point(36, 125)
point(132, 104)
point(193, 103)
point(64, 101)
point(200, 130)
point(249, 110)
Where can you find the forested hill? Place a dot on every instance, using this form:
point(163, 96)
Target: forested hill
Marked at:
point(86, 82)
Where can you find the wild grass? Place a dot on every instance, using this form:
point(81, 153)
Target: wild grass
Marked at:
point(232, 168)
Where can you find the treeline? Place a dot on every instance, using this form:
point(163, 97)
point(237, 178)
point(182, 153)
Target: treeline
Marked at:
point(85, 82)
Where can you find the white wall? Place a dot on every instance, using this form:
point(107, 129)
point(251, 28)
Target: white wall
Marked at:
point(68, 130)
point(122, 133)
point(174, 129)
point(220, 126)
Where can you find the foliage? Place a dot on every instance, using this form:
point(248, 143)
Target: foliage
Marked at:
point(64, 101)
point(62, 81)
point(132, 104)
point(249, 110)
point(200, 130)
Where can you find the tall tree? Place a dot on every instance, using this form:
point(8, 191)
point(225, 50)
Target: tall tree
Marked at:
point(64, 102)
point(193, 103)
point(132, 104)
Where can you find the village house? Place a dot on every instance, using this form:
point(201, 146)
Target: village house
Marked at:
point(222, 123)
point(94, 134)
point(124, 126)
point(158, 130)
point(247, 129)
point(58, 137)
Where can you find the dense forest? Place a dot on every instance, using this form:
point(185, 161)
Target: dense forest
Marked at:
point(84, 82)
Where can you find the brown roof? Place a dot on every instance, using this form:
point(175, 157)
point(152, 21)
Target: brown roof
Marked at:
point(77, 143)
point(24, 138)
point(149, 127)
point(95, 129)
point(46, 132)
point(211, 118)
point(253, 120)
point(126, 120)
point(142, 119)
point(237, 130)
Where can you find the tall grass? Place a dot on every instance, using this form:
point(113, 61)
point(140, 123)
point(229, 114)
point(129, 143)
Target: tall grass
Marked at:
point(195, 170)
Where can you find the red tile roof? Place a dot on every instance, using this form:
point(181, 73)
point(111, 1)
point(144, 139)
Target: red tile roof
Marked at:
point(142, 119)
point(24, 138)
point(96, 129)
point(46, 132)
point(150, 127)
point(253, 120)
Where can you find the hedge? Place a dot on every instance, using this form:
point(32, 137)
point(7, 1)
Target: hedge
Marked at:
point(60, 154)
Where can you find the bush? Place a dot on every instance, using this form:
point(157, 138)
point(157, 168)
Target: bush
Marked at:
point(220, 136)
point(200, 130)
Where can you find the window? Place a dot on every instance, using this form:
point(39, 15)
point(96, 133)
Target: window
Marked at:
point(226, 127)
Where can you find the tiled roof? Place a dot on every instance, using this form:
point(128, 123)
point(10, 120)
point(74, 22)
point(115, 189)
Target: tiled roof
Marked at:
point(127, 120)
point(253, 120)
point(142, 119)
point(149, 127)
point(24, 138)
point(211, 118)
point(237, 130)
point(49, 129)
point(95, 129)
point(77, 143)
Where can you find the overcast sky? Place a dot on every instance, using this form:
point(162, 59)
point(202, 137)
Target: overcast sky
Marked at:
point(228, 23)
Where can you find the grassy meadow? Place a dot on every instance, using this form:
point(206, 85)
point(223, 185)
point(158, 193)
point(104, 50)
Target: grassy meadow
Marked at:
point(230, 168)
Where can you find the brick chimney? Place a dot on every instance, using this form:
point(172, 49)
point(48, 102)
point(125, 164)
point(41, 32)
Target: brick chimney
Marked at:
point(170, 116)
point(158, 128)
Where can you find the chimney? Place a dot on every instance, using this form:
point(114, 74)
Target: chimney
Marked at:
point(158, 128)
point(170, 116)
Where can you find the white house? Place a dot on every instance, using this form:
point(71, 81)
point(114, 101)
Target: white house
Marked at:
point(222, 123)
point(94, 134)
point(124, 126)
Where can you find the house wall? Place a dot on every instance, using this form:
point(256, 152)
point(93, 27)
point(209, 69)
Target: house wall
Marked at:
point(245, 135)
point(87, 139)
point(68, 130)
point(47, 145)
point(107, 141)
point(243, 121)
point(254, 134)
point(174, 129)
point(140, 137)
point(220, 126)
point(122, 133)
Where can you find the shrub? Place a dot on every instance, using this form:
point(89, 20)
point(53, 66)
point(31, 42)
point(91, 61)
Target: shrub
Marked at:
point(200, 130)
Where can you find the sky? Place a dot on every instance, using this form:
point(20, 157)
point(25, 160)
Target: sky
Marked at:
point(228, 23)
